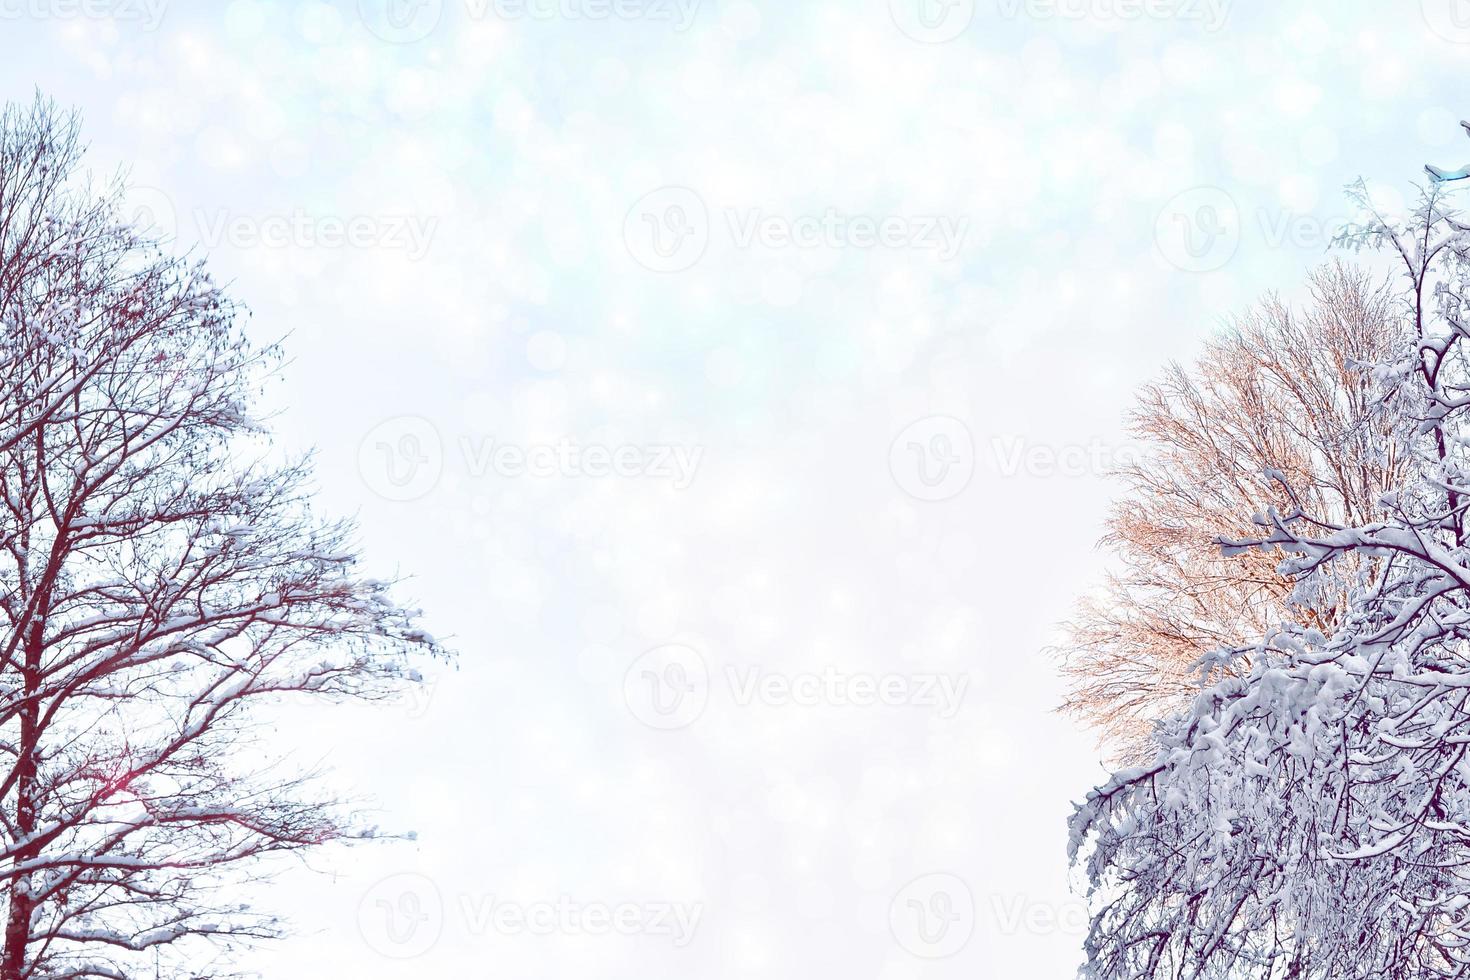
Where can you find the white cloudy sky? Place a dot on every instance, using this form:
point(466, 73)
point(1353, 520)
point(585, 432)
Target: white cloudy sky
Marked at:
point(680, 351)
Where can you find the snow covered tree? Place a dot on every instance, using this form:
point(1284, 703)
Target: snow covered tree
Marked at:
point(1308, 815)
point(1281, 389)
point(161, 580)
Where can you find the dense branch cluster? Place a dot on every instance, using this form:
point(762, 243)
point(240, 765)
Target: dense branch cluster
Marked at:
point(1280, 390)
point(1308, 814)
point(160, 576)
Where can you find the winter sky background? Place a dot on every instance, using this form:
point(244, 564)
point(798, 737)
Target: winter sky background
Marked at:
point(734, 378)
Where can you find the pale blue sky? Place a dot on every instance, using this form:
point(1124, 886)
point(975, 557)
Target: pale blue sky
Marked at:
point(791, 260)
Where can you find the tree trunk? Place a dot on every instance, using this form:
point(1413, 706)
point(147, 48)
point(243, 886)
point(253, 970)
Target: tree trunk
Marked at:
point(18, 923)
